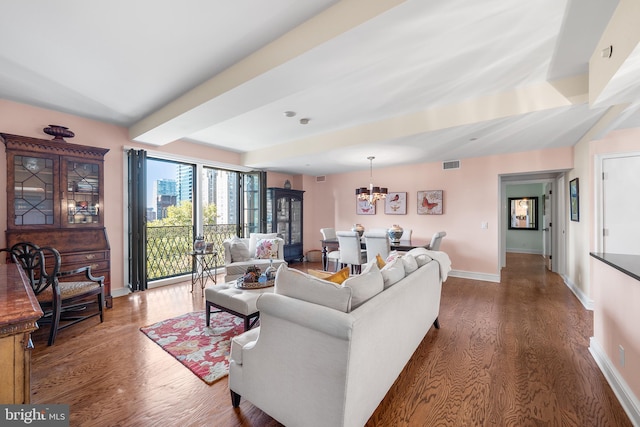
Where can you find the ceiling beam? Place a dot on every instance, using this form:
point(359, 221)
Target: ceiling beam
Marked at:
point(519, 101)
point(189, 113)
point(621, 37)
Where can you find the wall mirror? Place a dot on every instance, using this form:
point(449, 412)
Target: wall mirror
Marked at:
point(523, 213)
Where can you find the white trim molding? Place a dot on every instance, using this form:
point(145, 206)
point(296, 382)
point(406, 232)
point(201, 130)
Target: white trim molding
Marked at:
point(582, 297)
point(627, 399)
point(475, 276)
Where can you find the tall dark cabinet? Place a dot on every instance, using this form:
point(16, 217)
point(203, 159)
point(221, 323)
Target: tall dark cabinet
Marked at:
point(284, 216)
point(55, 197)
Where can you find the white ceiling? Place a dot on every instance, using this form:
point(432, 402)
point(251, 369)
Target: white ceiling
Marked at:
point(406, 81)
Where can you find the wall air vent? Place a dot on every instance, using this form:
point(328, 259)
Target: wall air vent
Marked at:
point(321, 178)
point(451, 164)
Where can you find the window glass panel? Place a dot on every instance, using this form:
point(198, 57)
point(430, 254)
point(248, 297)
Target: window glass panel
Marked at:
point(33, 181)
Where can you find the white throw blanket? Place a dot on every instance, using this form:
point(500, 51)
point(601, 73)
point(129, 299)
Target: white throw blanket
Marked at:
point(445, 263)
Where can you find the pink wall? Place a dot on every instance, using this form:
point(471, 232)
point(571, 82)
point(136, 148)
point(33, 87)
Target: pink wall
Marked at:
point(615, 294)
point(470, 198)
point(470, 193)
point(26, 120)
point(616, 318)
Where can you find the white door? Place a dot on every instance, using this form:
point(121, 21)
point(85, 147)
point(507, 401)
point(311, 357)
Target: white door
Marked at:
point(546, 225)
point(621, 204)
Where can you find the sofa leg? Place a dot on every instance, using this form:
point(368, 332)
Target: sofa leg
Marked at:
point(436, 323)
point(235, 399)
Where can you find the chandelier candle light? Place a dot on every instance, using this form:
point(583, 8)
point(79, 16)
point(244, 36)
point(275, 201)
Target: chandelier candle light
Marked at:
point(371, 194)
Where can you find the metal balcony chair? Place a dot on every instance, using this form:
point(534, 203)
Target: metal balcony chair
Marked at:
point(64, 303)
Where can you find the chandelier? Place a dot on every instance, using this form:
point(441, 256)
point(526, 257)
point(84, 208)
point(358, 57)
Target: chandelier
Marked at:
point(371, 194)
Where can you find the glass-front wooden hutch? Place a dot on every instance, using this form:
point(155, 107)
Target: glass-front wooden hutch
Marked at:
point(284, 216)
point(55, 197)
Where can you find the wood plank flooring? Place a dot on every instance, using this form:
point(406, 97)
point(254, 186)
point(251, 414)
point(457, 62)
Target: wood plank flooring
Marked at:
point(507, 354)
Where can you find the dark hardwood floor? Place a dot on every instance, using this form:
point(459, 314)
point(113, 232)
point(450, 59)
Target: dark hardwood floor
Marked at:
point(507, 354)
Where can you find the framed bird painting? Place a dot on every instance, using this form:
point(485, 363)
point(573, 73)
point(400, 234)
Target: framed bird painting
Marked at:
point(430, 202)
point(395, 204)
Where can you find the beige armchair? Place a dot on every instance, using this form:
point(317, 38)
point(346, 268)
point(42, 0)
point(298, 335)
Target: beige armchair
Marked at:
point(259, 249)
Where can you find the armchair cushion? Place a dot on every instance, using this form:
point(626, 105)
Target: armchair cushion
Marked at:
point(302, 286)
point(239, 251)
point(267, 249)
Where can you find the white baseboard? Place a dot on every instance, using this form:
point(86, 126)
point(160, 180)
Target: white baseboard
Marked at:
point(627, 399)
point(582, 297)
point(525, 251)
point(475, 276)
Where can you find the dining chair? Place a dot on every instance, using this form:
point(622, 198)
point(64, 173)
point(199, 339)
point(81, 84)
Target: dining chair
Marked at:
point(351, 252)
point(330, 234)
point(436, 239)
point(406, 234)
point(64, 303)
point(377, 243)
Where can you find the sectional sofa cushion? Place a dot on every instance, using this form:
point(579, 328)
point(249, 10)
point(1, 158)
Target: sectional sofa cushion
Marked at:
point(392, 272)
point(365, 285)
point(302, 286)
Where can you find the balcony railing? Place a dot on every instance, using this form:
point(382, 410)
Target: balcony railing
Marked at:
point(168, 248)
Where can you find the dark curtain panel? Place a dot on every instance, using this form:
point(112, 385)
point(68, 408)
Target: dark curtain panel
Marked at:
point(137, 220)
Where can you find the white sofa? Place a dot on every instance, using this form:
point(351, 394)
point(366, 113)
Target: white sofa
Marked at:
point(240, 253)
point(309, 364)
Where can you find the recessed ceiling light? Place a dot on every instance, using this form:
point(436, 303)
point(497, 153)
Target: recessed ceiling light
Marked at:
point(304, 121)
point(289, 113)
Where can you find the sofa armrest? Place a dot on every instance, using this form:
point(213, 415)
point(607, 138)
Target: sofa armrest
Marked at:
point(313, 316)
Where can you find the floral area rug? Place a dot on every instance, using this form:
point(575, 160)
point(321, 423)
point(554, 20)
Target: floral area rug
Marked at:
point(204, 350)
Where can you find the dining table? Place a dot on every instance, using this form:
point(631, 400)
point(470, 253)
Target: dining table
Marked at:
point(329, 245)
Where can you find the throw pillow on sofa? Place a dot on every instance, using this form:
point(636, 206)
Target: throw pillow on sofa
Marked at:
point(365, 285)
point(410, 264)
point(254, 237)
point(267, 249)
point(421, 255)
point(239, 251)
point(299, 285)
point(338, 277)
point(393, 272)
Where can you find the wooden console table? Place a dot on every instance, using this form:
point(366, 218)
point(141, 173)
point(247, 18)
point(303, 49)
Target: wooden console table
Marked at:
point(19, 312)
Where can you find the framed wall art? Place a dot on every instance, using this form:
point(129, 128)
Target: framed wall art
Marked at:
point(430, 202)
point(364, 208)
point(395, 204)
point(574, 198)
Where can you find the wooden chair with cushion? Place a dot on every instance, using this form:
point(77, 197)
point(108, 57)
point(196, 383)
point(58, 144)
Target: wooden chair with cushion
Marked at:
point(64, 303)
point(351, 252)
